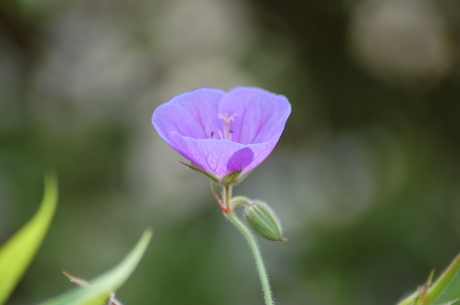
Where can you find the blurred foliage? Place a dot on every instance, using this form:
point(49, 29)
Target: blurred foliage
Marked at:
point(365, 179)
point(18, 252)
point(101, 290)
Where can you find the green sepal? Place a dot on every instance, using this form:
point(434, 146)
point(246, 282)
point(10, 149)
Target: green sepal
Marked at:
point(239, 201)
point(263, 221)
point(232, 178)
point(17, 253)
point(201, 171)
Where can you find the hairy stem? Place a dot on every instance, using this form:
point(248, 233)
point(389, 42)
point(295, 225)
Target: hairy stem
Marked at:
point(252, 244)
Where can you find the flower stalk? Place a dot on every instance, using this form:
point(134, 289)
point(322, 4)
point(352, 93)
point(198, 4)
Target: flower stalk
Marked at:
point(230, 214)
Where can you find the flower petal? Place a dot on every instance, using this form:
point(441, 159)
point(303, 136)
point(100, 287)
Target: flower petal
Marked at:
point(210, 155)
point(259, 114)
point(240, 159)
point(261, 152)
point(191, 114)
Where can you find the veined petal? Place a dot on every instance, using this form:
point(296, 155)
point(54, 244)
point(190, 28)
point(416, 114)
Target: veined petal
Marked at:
point(240, 159)
point(192, 114)
point(259, 114)
point(211, 155)
point(261, 152)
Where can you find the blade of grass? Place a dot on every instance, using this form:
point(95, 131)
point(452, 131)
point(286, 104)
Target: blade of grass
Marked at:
point(17, 253)
point(99, 290)
point(447, 286)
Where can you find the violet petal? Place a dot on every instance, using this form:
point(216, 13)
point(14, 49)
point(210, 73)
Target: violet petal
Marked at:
point(208, 154)
point(192, 114)
point(259, 114)
point(240, 159)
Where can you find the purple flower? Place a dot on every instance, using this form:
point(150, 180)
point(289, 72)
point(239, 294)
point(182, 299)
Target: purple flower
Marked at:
point(223, 134)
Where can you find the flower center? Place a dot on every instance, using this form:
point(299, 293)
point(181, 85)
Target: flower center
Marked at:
point(227, 134)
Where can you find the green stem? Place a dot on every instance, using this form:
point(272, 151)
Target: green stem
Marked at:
point(252, 244)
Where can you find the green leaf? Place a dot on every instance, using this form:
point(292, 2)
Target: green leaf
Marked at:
point(80, 282)
point(419, 296)
point(445, 291)
point(99, 290)
point(17, 253)
point(447, 288)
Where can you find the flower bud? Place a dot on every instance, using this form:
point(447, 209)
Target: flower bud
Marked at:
point(263, 221)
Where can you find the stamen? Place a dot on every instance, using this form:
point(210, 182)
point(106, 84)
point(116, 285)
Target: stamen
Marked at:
point(227, 132)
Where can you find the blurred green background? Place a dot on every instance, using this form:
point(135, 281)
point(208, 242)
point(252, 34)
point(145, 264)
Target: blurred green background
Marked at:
point(366, 177)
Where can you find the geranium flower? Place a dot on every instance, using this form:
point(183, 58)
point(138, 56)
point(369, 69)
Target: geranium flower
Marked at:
point(224, 135)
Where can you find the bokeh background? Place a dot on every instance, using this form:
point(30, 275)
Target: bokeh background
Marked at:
point(366, 177)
